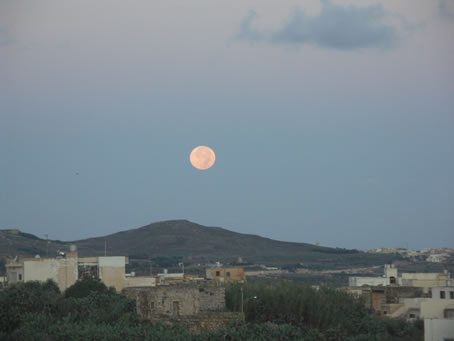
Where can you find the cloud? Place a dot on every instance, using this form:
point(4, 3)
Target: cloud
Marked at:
point(337, 27)
point(446, 9)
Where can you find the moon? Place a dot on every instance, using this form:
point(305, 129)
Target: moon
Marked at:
point(202, 157)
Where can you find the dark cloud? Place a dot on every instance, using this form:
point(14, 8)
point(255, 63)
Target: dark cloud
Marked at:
point(446, 9)
point(335, 27)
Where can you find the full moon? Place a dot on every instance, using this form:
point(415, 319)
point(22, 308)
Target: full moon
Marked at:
point(202, 157)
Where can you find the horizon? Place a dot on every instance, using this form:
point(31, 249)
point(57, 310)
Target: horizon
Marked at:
point(331, 120)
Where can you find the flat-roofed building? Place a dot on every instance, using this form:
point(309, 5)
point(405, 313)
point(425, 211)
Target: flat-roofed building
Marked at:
point(226, 275)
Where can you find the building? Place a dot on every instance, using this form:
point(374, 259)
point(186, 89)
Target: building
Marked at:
point(409, 302)
point(407, 279)
point(226, 275)
point(438, 330)
point(426, 280)
point(176, 300)
point(197, 306)
point(68, 267)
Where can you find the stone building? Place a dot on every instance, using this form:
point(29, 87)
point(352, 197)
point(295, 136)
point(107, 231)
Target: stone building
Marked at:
point(199, 307)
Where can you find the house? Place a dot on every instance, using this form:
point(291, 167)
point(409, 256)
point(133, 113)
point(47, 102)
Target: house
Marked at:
point(226, 275)
point(409, 302)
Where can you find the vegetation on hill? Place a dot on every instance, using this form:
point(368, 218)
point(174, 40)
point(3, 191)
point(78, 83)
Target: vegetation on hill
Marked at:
point(285, 311)
point(167, 243)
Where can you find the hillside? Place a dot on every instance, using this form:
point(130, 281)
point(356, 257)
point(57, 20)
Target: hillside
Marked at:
point(182, 239)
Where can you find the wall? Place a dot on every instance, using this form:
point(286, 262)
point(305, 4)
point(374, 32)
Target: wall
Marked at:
point(434, 308)
point(197, 306)
point(355, 281)
point(140, 281)
point(426, 280)
point(438, 329)
point(112, 271)
point(447, 290)
point(390, 299)
point(423, 283)
point(158, 302)
point(205, 321)
point(211, 298)
point(425, 276)
point(62, 270)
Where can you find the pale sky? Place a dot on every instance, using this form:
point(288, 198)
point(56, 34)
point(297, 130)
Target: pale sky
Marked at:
point(332, 121)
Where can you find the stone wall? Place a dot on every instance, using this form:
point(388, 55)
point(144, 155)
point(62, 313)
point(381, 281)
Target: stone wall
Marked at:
point(205, 321)
point(211, 298)
point(197, 307)
point(176, 300)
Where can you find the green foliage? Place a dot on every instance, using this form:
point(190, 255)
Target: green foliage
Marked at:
point(83, 288)
point(283, 311)
point(20, 302)
point(2, 267)
point(334, 313)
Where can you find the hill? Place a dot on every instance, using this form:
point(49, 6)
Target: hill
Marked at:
point(193, 243)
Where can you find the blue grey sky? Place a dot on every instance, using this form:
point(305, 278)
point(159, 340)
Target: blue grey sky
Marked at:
point(332, 121)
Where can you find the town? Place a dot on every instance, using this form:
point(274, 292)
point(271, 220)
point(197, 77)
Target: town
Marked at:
point(199, 302)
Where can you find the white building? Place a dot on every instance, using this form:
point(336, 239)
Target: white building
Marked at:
point(438, 330)
point(66, 269)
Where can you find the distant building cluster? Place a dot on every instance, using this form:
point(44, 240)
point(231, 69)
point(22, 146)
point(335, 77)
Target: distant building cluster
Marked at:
point(428, 296)
point(434, 255)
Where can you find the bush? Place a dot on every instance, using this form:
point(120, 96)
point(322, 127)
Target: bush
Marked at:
point(83, 287)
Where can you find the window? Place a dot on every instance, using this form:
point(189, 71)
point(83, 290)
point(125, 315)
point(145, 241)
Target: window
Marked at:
point(218, 273)
point(392, 280)
point(228, 274)
point(20, 277)
point(442, 294)
point(449, 313)
point(451, 295)
point(412, 316)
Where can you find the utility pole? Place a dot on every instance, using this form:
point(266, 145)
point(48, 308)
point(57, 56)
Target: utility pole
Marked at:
point(47, 245)
point(105, 247)
point(242, 299)
point(242, 309)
